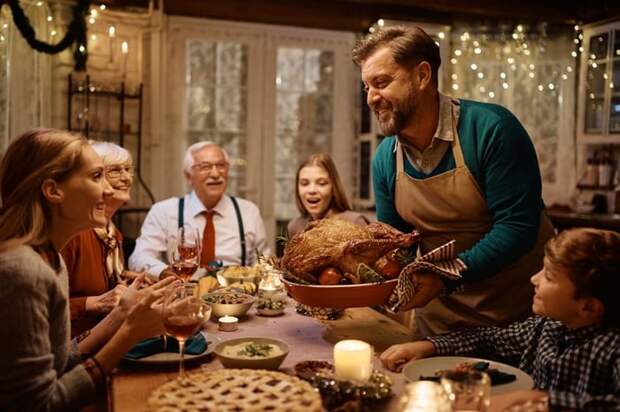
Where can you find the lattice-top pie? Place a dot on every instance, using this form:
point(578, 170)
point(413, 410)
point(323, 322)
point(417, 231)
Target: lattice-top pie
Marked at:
point(236, 390)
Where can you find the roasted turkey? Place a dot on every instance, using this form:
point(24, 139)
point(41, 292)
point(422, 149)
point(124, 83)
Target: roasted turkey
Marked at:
point(341, 244)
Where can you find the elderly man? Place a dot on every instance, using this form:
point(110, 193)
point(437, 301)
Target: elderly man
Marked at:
point(232, 228)
point(453, 169)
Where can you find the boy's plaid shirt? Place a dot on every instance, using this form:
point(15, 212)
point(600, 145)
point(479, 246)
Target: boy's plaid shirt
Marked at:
point(580, 369)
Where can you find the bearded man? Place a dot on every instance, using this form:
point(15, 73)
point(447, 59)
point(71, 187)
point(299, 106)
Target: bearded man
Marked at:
point(453, 169)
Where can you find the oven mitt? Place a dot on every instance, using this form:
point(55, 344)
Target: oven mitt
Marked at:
point(441, 260)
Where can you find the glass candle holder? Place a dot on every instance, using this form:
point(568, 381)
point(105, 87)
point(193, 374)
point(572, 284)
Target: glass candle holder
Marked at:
point(424, 396)
point(271, 287)
point(467, 390)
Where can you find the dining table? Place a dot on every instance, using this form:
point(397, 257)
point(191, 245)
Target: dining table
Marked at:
point(307, 338)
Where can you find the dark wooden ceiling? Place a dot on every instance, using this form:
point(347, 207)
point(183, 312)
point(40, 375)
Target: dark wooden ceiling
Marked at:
point(358, 15)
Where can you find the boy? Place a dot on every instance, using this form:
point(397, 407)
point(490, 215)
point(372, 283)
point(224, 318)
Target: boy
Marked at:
point(572, 347)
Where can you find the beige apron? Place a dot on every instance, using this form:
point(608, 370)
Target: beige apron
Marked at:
point(451, 206)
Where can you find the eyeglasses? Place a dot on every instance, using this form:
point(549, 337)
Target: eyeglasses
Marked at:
point(204, 167)
point(115, 172)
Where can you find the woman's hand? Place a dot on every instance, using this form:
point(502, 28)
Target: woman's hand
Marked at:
point(136, 291)
point(144, 314)
point(104, 303)
point(396, 356)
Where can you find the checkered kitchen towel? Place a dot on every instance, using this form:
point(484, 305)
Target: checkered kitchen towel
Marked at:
point(441, 260)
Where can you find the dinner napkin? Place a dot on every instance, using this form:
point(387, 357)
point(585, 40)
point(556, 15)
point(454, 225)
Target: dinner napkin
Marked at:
point(441, 260)
point(195, 345)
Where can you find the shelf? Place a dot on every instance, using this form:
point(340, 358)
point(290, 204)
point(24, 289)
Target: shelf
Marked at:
point(118, 95)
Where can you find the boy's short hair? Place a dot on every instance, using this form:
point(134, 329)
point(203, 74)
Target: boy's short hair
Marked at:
point(591, 258)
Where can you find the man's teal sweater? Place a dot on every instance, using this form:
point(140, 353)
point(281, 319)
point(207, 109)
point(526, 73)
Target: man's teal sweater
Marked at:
point(502, 159)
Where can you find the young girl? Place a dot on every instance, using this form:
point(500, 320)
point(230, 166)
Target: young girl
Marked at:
point(319, 194)
point(52, 186)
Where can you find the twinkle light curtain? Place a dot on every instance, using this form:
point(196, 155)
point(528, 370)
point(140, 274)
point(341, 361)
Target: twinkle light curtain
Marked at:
point(533, 74)
point(25, 75)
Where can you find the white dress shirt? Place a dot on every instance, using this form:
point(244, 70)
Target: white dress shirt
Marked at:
point(161, 224)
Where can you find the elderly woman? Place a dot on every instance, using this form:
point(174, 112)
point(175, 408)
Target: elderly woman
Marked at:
point(94, 257)
point(53, 186)
point(319, 194)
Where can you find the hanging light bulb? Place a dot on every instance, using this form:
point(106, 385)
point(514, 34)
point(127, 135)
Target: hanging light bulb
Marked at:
point(455, 86)
point(441, 35)
point(458, 52)
point(102, 6)
point(473, 66)
point(505, 85)
point(477, 50)
point(480, 75)
point(453, 60)
point(502, 75)
point(381, 22)
point(541, 87)
point(492, 94)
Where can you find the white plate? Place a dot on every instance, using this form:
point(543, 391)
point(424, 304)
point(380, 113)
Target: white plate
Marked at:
point(170, 358)
point(427, 367)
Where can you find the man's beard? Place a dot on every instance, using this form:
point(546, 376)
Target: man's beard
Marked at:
point(398, 116)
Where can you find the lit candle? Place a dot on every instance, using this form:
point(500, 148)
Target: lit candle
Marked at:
point(228, 323)
point(124, 50)
point(353, 360)
point(112, 35)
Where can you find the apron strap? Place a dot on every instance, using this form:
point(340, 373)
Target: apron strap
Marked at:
point(457, 152)
point(241, 230)
point(180, 215)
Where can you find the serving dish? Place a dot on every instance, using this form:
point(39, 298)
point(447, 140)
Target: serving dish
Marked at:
point(231, 309)
point(269, 361)
point(238, 274)
point(341, 296)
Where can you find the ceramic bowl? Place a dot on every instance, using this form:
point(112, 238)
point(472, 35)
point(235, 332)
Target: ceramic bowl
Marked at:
point(270, 362)
point(341, 296)
point(231, 309)
point(237, 274)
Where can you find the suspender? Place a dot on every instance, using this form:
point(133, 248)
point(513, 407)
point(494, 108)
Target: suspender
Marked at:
point(241, 231)
point(180, 215)
point(239, 223)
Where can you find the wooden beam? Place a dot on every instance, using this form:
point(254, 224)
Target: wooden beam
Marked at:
point(325, 14)
point(547, 10)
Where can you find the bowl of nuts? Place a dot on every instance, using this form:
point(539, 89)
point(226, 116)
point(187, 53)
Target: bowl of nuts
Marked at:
point(228, 303)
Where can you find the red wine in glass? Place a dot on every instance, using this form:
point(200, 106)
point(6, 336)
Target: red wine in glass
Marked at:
point(182, 327)
point(188, 252)
point(185, 269)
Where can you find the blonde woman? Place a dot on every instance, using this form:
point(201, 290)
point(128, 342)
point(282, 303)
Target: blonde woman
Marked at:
point(94, 257)
point(52, 186)
point(319, 194)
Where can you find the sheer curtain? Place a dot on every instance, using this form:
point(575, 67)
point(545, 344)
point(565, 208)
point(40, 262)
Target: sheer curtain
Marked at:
point(533, 75)
point(25, 74)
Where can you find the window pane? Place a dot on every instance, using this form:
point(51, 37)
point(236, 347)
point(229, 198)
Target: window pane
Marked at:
point(598, 46)
point(304, 101)
point(217, 101)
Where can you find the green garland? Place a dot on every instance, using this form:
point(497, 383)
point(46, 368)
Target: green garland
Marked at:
point(75, 33)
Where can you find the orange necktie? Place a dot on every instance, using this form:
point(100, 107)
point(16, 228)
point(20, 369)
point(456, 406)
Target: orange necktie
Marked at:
point(208, 240)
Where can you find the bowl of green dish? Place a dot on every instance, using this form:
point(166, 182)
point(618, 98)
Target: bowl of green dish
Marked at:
point(228, 303)
point(270, 307)
point(252, 353)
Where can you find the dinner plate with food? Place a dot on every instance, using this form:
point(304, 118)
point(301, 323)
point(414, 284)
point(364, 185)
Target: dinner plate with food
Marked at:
point(504, 378)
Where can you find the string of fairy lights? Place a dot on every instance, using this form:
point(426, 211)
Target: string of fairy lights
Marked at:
point(490, 59)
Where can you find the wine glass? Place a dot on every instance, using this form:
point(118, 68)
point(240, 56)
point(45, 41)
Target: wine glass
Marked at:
point(185, 257)
point(183, 313)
